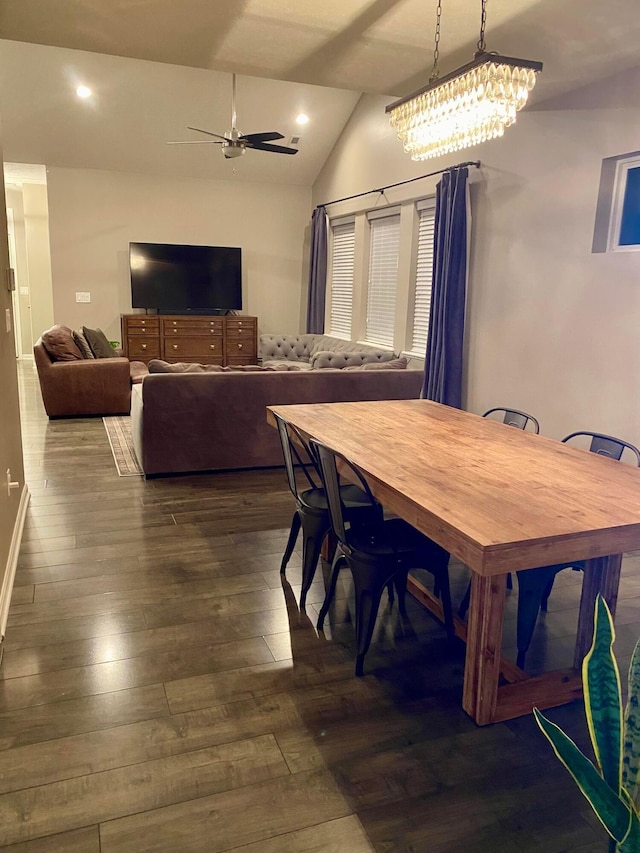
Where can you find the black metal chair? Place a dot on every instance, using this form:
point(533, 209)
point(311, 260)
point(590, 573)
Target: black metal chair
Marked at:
point(519, 420)
point(312, 510)
point(514, 418)
point(377, 553)
point(535, 585)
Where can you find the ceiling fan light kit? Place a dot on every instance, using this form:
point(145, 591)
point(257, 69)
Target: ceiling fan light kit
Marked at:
point(472, 104)
point(234, 143)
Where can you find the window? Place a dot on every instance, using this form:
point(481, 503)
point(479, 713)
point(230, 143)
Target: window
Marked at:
point(342, 266)
point(383, 277)
point(617, 221)
point(424, 277)
point(626, 219)
point(379, 275)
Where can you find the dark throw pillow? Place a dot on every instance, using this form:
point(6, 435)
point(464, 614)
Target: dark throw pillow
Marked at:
point(99, 343)
point(58, 342)
point(83, 344)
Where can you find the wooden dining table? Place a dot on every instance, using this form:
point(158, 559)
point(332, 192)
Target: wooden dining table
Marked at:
point(500, 500)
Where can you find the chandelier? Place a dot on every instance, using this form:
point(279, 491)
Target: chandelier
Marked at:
point(472, 104)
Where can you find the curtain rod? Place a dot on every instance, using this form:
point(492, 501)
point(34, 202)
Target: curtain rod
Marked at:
point(381, 190)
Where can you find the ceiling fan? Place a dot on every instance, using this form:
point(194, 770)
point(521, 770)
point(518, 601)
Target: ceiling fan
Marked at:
point(234, 143)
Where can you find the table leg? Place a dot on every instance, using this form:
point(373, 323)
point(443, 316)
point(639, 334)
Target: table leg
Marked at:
point(484, 640)
point(601, 575)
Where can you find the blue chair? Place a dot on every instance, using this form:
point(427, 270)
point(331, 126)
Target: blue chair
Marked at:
point(378, 553)
point(534, 585)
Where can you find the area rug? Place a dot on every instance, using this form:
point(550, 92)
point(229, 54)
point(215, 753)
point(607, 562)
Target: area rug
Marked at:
point(118, 429)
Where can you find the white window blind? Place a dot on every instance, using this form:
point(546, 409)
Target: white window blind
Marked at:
point(383, 279)
point(424, 279)
point(342, 262)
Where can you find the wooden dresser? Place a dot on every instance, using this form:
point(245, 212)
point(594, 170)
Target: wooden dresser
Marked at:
point(225, 340)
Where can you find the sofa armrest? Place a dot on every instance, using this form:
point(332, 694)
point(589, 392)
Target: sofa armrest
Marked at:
point(100, 386)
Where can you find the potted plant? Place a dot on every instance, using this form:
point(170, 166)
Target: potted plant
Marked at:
point(611, 785)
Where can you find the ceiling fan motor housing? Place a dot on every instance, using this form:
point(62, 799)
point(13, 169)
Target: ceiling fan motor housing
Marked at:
point(233, 148)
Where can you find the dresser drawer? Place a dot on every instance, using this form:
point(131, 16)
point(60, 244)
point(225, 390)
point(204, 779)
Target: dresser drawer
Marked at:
point(192, 326)
point(140, 349)
point(143, 325)
point(241, 328)
point(185, 348)
point(241, 347)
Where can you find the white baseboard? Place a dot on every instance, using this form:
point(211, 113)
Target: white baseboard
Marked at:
point(12, 561)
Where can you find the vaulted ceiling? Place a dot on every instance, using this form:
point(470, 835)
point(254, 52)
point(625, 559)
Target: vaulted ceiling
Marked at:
point(292, 55)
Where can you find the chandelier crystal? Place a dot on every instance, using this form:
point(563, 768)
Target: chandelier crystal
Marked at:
point(470, 105)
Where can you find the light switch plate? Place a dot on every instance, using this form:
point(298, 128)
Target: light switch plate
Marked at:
point(83, 296)
point(7, 318)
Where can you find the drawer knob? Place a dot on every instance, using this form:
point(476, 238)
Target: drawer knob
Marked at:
point(143, 346)
point(143, 330)
point(175, 346)
point(174, 323)
point(239, 346)
point(143, 322)
point(212, 346)
point(175, 331)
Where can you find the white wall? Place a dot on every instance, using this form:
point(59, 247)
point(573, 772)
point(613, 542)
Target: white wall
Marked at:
point(552, 328)
point(36, 219)
point(94, 214)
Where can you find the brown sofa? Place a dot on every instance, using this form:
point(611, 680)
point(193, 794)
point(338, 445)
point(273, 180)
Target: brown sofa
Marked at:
point(211, 421)
point(96, 386)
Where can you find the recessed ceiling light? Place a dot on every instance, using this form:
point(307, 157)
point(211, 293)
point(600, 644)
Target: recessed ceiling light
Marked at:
point(302, 119)
point(83, 92)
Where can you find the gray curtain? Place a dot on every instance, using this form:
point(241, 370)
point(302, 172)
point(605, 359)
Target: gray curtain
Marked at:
point(443, 363)
point(317, 272)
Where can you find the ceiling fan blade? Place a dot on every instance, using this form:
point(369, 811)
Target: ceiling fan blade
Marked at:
point(196, 142)
point(262, 137)
point(208, 132)
point(276, 149)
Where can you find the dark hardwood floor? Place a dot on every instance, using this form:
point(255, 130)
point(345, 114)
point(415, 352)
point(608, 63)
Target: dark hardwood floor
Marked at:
point(161, 691)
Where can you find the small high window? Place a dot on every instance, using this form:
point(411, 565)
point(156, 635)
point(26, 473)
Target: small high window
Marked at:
point(617, 226)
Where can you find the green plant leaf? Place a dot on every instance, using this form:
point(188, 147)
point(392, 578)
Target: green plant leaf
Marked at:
point(602, 697)
point(631, 843)
point(631, 754)
point(614, 815)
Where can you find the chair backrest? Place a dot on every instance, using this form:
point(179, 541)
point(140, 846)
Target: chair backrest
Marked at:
point(328, 460)
point(606, 445)
point(289, 451)
point(514, 418)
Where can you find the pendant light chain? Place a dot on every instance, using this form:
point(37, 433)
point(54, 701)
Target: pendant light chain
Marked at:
point(482, 46)
point(435, 72)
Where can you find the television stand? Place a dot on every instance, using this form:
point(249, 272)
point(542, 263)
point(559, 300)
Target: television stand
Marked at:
point(203, 339)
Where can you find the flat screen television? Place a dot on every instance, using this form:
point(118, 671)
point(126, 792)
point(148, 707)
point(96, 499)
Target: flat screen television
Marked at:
point(182, 279)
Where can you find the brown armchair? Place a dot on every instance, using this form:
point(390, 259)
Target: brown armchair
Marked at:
point(100, 386)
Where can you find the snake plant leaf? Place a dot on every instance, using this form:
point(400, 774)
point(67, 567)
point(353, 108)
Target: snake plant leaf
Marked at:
point(609, 808)
point(631, 753)
point(602, 697)
point(631, 844)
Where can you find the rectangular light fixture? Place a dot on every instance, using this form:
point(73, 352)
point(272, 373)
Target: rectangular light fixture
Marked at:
point(470, 105)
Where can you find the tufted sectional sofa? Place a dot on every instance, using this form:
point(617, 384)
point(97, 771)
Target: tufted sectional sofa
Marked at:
point(319, 351)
